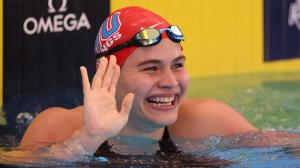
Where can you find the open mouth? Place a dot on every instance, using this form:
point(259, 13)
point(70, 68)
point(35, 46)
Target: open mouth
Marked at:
point(161, 101)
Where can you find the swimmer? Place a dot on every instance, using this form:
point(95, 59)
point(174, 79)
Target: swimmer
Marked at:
point(138, 90)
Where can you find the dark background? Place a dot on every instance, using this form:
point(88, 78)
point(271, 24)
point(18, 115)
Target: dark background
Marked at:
point(42, 70)
point(281, 41)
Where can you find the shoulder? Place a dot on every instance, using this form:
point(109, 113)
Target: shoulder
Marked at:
point(199, 118)
point(54, 115)
point(53, 125)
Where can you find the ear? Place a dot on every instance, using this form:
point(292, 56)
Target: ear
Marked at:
point(97, 63)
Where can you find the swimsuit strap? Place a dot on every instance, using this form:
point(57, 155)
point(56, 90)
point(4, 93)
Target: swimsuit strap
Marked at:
point(166, 135)
point(167, 146)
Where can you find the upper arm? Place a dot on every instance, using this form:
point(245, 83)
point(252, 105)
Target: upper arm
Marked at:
point(51, 126)
point(199, 118)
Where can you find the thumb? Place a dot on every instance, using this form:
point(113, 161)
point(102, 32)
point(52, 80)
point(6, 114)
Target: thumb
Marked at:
point(126, 105)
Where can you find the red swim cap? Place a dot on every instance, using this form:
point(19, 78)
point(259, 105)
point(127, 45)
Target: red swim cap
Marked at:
point(122, 25)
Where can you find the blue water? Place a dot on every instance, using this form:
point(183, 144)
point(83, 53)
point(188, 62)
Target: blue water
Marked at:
point(211, 151)
point(260, 157)
point(270, 101)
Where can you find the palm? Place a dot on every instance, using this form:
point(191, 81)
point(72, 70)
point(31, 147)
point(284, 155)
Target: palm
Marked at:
point(100, 115)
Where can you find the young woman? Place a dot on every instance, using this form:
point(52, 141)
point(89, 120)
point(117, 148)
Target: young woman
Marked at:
point(144, 98)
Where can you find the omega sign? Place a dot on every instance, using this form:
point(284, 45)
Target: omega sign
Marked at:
point(56, 23)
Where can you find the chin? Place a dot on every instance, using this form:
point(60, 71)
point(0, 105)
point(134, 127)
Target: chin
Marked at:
point(166, 123)
point(163, 119)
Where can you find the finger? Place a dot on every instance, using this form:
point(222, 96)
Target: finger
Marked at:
point(85, 79)
point(126, 106)
point(112, 88)
point(109, 72)
point(97, 80)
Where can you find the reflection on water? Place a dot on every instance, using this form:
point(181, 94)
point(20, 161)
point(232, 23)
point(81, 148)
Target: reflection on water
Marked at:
point(261, 157)
point(247, 150)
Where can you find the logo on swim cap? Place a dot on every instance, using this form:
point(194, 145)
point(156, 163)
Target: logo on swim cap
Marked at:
point(121, 26)
point(108, 33)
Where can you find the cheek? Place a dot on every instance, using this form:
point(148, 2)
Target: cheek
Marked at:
point(134, 84)
point(184, 80)
point(140, 86)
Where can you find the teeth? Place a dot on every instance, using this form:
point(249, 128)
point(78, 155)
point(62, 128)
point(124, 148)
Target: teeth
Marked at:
point(158, 101)
point(161, 104)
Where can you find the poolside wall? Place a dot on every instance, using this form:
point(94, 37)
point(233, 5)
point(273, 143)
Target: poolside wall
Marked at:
point(227, 36)
point(223, 37)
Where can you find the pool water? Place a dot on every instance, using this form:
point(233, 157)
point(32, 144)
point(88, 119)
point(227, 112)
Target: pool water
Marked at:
point(267, 100)
point(212, 151)
point(270, 101)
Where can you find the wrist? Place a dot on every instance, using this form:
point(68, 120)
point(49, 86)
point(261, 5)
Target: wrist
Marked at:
point(89, 143)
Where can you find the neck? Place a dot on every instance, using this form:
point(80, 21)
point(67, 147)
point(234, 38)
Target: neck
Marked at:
point(155, 134)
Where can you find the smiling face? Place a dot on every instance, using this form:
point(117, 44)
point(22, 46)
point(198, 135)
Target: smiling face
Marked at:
point(157, 77)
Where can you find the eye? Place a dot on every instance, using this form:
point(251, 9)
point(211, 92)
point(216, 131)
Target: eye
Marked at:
point(177, 65)
point(153, 68)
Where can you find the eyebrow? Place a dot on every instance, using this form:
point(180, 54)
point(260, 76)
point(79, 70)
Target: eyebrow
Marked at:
point(155, 61)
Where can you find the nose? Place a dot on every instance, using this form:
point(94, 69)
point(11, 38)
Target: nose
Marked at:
point(168, 80)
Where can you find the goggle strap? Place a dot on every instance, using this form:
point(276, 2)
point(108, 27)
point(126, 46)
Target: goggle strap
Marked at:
point(132, 42)
point(115, 49)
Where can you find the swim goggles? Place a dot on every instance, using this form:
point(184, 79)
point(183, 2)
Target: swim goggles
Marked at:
point(147, 37)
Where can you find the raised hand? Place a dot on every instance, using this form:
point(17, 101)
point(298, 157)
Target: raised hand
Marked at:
point(101, 120)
